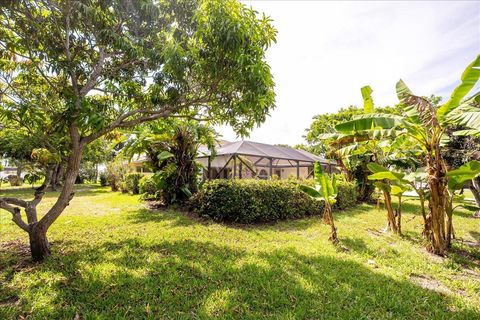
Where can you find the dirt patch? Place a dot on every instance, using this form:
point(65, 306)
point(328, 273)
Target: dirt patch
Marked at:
point(16, 246)
point(468, 274)
point(374, 232)
point(429, 283)
point(433, 257)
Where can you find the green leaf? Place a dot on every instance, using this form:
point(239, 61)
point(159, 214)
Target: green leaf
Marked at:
point(459, 177)
point(369, 122)
point(469, 78)
point(164, 155)
point(375, 167)
point(397, 190)
point(385, 187)
point(467, 114)
point(186, 191)
point(367, 99)
point(312, 192)
point(383, 175)
point(471, 132)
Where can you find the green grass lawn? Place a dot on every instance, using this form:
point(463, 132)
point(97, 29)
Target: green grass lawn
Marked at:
point(114, 259)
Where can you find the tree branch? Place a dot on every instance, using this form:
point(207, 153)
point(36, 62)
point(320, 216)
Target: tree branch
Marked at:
point(97, 70)
point(16, 216)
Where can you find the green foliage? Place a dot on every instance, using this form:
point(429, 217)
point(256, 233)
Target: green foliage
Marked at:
point(148, 188)
point(396, 185)
point(346, 193)
point(33, 175)
point(124, 251)
point(88, 173)
point(325, 186)
point(248, 201)
point(132, 181)
point(459, 177)
point(172, 147)
point(115, 172)
point(469, 79)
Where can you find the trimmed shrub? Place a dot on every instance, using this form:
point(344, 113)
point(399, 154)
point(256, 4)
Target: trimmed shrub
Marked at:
point(347, 195)
point(132, 182)
point(248, 201)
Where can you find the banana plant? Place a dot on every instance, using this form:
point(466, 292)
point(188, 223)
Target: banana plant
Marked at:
point(325, 190)
point(391, 183)
point(426, 124)
point(457, 179)
point(418, 182)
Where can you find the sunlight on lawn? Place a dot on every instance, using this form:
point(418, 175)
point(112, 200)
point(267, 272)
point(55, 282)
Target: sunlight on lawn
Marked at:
point(114, 258)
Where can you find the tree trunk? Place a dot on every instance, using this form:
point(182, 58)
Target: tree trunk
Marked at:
point(392, 225)
point(475, 188)
point(437, 183)
point(38, 233)
point(421, 197)
point(39, 246)
point(19, 170)
point(328, 218)
point(449, 214)
point(399, 216)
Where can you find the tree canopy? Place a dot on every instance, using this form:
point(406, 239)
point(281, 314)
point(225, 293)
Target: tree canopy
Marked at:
point(82, 69)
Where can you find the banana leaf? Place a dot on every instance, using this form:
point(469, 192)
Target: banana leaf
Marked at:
point(469, 79)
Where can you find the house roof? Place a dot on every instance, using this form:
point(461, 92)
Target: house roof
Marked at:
point(256, 149)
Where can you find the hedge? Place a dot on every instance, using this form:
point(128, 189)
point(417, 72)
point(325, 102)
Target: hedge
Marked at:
point(248, 201)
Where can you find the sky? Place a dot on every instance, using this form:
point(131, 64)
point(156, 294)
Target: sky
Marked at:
point(327, 51)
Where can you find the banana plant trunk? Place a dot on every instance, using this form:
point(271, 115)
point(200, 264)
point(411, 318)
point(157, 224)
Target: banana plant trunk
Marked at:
point(392, 224)
point(449, 229)
point(399, 215)
point(438, 194)
point(328, 218)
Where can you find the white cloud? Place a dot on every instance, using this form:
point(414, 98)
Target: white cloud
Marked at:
point(326, 51)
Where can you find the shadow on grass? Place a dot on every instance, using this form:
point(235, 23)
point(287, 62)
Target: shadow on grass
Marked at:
point(191, 279)
point(475, 235)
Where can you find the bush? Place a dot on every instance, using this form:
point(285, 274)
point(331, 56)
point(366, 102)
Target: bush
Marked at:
point(14, 180)
point(249, 201)
point(115, 172)
point(88, 173)
point(132, 182)
point(123, 187)
point(148, 188)
point(347, 195)
point(103, 179)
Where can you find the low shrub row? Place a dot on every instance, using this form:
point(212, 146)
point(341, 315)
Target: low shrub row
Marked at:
point(248, 201)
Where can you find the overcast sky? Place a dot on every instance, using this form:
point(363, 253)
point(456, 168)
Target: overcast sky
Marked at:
point(326, 51)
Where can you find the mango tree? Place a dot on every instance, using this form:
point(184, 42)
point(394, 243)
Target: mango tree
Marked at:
point(325, 189)
point(84, 69)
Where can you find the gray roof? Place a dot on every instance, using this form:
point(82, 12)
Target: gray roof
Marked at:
point(249, 148)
